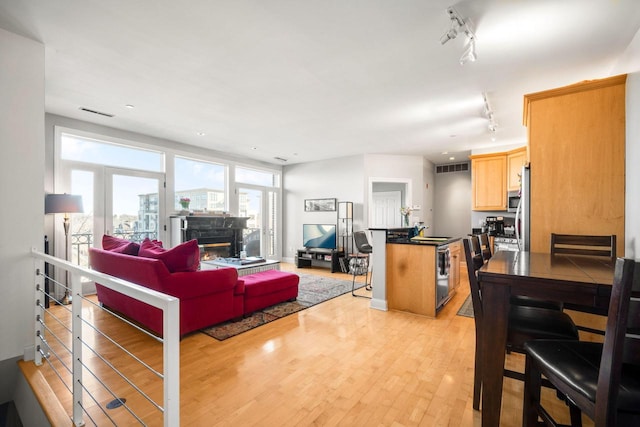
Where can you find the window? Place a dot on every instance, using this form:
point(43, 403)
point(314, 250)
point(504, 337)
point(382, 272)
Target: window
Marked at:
point(89, 150)
point(203, 183)
point(257, 177)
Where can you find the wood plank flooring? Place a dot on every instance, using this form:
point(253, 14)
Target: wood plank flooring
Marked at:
point(339, 363)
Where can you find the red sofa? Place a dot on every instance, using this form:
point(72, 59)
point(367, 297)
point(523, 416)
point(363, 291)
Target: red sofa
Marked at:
point(206, 297)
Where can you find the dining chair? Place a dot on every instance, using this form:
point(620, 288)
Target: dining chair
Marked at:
point(486, 246)
point(585, 245)
point(575, 244)
point(359, 264)
point(517, 299)
point(601, 380)
point(525, 322)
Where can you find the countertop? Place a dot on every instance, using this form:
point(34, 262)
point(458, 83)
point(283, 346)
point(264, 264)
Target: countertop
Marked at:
point(430, 241)
point(401, 236)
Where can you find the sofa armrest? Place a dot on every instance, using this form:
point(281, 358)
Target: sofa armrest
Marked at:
point(239, 290)
point(202, 282)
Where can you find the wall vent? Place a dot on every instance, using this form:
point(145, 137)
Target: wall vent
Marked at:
point(88, 110)
point(453, 167)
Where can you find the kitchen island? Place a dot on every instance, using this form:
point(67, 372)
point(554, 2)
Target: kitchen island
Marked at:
point(416, 276)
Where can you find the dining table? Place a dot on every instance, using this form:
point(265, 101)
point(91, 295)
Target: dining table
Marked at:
point(576, 280)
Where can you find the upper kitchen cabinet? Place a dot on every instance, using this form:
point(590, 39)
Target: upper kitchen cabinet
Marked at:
point(489, 182)
point(516, 159)
point(577, 156)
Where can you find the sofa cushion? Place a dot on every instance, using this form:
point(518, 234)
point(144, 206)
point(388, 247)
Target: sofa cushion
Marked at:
point(184, 257)
point(122, 246)
point(267, 282)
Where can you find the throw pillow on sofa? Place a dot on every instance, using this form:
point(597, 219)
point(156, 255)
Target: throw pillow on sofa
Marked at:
point(184, 257)
point(122, 246)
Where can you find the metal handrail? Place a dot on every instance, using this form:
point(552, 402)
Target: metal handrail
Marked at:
point(169, 305)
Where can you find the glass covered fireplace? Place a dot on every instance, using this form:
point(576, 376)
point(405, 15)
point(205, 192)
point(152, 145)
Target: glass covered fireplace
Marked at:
point(217, 236)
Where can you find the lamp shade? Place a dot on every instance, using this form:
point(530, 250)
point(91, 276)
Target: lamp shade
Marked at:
point(62, 203)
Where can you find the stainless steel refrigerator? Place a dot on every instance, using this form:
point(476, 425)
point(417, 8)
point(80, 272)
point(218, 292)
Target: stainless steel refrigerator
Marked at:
point(523, 211)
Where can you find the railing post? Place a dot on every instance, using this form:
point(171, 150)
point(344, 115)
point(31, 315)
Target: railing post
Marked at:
point(38, 311)
point(171, 349)
point(76, 328)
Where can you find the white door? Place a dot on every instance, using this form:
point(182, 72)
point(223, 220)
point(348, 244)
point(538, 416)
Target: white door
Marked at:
point(386, 209)
point(260, 206)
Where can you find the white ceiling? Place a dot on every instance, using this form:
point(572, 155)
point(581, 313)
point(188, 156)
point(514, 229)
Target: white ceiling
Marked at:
point(307, 80)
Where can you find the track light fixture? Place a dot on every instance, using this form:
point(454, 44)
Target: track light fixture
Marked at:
point(469, 54)
point(492, 126)
point(459, 25)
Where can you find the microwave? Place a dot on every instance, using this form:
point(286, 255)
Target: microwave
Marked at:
point(513, 199)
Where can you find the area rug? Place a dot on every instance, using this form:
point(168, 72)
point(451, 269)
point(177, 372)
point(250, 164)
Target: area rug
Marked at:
point(312, 290)
point(466, 309)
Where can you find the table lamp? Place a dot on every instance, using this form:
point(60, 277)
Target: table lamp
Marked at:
point(66, 204)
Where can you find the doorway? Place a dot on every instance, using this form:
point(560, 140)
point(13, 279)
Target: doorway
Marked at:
point(125, 203)
point(386, 197)
point(259, 205)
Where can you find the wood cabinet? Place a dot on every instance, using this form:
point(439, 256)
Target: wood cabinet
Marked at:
point(454, 270)
point(577, 157)
point(411, 273)
point(516, 159)
point(489, 182)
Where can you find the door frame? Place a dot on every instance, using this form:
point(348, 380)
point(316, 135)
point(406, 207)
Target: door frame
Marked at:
point(264, 226)
point(408, 184)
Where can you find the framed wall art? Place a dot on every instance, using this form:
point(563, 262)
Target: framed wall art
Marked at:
point(319, 205)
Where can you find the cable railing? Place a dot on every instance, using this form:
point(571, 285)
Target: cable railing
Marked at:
point(79, 344)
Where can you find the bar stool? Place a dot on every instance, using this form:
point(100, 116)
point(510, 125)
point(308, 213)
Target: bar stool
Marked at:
point(359, 264)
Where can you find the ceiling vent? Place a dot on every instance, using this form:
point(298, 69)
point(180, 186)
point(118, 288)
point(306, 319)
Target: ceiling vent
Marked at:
point(453, 167)
point(88, 110)
point(281, 159)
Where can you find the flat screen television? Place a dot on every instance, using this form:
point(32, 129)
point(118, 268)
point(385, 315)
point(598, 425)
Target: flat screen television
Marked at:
point(319, 236)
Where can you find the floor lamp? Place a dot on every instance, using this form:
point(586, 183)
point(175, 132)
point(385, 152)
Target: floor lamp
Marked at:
point(66, 204)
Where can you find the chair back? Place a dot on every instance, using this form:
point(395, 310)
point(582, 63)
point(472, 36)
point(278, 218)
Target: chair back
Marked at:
point(362, 242)
point(574, 244)
point(486, 246)
point(622, 339)
point(474, 261)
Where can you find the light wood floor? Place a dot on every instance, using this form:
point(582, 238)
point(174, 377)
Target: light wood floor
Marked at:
point(337, 363)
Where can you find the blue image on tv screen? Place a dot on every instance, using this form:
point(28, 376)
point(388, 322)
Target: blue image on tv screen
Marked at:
point(319, 236)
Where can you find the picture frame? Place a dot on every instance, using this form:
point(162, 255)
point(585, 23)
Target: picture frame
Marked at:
point(319, 205)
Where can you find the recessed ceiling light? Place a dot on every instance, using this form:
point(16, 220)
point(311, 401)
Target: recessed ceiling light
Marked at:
point(452, 158)
point(201, 134)
point(129, 106)
point(444, 153)
point(254, 148)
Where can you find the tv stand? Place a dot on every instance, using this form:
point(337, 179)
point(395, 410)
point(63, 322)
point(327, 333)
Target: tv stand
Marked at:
point(319, 257)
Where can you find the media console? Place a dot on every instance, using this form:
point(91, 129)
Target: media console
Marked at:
point(327, 258)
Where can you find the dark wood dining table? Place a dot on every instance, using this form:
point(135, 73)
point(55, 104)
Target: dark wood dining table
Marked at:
point(581, 281)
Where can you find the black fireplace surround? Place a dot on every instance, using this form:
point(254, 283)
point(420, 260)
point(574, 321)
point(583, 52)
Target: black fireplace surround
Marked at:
point(217, 236)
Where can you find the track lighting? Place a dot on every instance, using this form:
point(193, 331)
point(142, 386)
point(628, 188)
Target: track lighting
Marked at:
point(459, 25)
point(449, 35)
point(469, 55)
point(492, 126)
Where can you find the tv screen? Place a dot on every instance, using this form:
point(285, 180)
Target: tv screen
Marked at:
point(319, 236)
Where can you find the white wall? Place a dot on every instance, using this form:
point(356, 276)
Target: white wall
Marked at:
point(342, 179)
point(21, 191)
point(452, 204)
point(632, 178)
